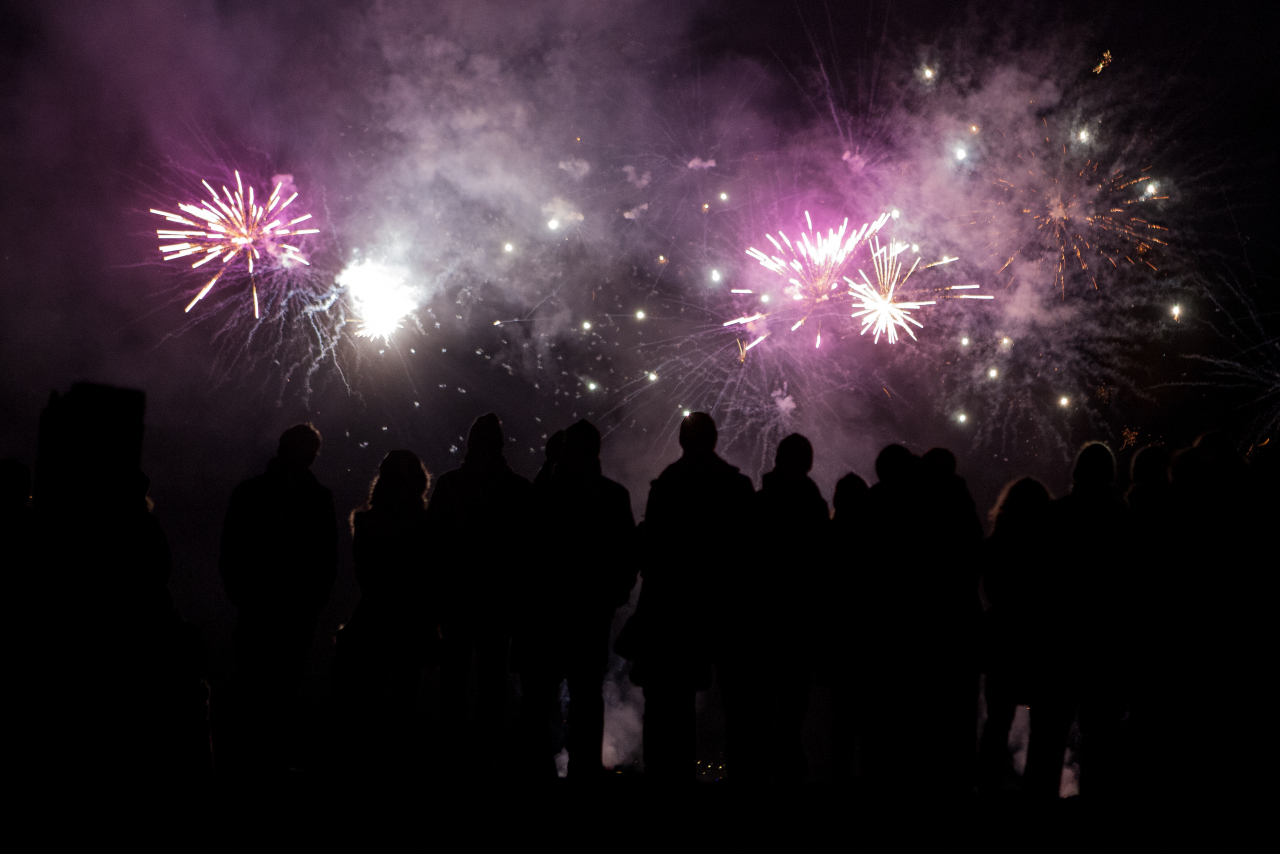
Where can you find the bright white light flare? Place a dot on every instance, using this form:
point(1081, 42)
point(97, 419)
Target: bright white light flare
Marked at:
point(380, 297)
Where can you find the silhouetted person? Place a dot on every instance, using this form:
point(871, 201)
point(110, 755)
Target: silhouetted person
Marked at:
point(586, 572)
point(1157, 622)
point(1021, 651)
point(554, 450)
point(698, 508)
point(784, 611)
point(278, 563)
point(949, 553)
point(1089, 551)
point(483, 513)
point(919, 609)
point(392, 634)
point(839, 587)
point(1221, 596)
point(15, 519)
point(121, 690)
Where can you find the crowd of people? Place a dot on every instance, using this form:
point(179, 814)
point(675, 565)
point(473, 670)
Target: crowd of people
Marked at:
point(1139, 617)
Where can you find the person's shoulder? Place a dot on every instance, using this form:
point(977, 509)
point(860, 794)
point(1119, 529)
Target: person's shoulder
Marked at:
point(613, 489)
point(448, 479)
point(739, 480)
point(249, 487)
point(673, 471)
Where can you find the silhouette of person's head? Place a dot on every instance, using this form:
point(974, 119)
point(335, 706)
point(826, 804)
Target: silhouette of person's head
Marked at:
point(895, 464)
point(299, 445)
point(1020, 502)
point(555, 447)
point(141, 486)
point(850, 491)
point(582, 442)
point(698, 433)
point(794, 454)
point(15, 485)
point(939, 463)
point(402, 481)
point(1221, 460)
point(1150, 467)
point(1095, 469)
point(485, 438)
point(1264, 460)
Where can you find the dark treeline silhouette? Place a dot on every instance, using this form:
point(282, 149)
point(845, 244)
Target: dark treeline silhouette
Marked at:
point(1134, 625)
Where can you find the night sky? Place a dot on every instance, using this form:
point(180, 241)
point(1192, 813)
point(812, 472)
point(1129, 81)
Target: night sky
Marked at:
point(429, 136)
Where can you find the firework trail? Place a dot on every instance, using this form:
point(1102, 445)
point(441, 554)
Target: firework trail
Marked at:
point(236, 228)
point(1253, 366)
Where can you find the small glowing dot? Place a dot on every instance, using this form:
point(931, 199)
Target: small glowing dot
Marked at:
point(1151, 189)
point(591, 386)
point(973, 128)
point(1063, 401)
point(507, 248)
point(724, 197)
point(1084, 136)
point(1177, 310)
point(586, 325)
point(894, 213)
point(706, 207)
point(928, 74)
point(915, 247)
point(639, 315)
point(715, 275)
point(992, 373)
point(686, 413)
point(964, 342)
point(960, 154)
point(662, 259)
point(1005, 341)
point(653, 377)
point(553, 224)
point(962, 417)
point(764, 298)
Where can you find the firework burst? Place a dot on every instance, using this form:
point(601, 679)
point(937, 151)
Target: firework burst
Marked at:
point(881, 306)
point(380, 297)
point(815, 266)
point(226, 231)
point(1065, 208)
